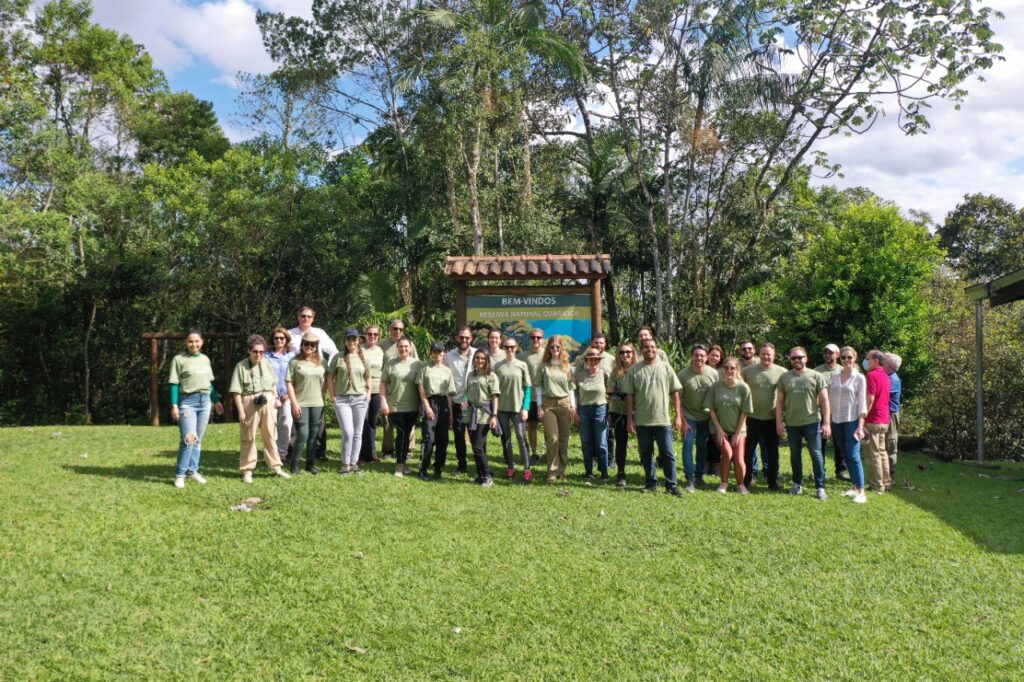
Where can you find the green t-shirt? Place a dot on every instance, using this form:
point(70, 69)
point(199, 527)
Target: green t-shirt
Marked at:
point(399, 378)
point(652, 387)
point(192, 373)
point(695, 387)
point(591, 390)
point(307, 379)
point(555, 382)
point(436, 380)
point(513, 378)
point(607, 362)
point(801, 396)
point(616, 397)
point(375, 359)
point(728, 403)
point(479, 390)
point(496, 357)
point(763, 383)
point(533, 362)
point(247, 379)
point(340, 372)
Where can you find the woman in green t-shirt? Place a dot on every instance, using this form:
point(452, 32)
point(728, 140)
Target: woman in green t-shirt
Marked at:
point(515, 384)
point(348, 380)
point(592, 414)
point(192, 392)
point(399, 398)
point(729, 402)
point(625, 357)
point(305, 382)
point(482, 396)
point(714, 457)
point(556, 406)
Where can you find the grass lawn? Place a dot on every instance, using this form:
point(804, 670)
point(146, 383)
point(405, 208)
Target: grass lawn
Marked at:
point(109, 572)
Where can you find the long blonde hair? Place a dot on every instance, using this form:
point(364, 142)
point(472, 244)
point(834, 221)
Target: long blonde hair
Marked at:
point(563, 357)
point(618, 369)
point(851, 349)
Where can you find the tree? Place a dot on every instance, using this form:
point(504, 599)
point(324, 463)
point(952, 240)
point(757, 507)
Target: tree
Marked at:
point(174, 124)
point(984, 237)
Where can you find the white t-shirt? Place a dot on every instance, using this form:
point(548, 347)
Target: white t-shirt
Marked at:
point(327, 347)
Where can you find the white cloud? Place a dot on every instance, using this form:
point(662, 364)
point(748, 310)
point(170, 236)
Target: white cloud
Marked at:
point(976, 149)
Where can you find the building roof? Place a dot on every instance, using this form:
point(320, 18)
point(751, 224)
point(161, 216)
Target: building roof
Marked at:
point(1005, 289)
point(593, 266)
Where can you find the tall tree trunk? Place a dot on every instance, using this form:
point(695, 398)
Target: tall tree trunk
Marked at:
point(527, 162)
point(471, 159)
point(87, 379)
point(498, 218)
point(613, 310)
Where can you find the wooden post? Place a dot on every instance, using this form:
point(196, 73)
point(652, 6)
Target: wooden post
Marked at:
point(229, 404)
point(595, 307)
point(154, 382)
point(460, 303)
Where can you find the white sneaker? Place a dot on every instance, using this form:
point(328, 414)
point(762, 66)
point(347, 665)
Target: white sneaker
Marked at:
point(197, 477)
point(179, 482)
point(860, 498)
point(723, 489)
point(281, 473)
point(247, 477)
point(742, 489)
point(850, 493)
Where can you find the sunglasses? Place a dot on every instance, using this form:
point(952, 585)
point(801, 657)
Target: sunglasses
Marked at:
point(797, 357)
point(555, 347)
point(280, 338)
point(625, 352)
point(373, 333)
point(398, 329)
point(257, 352)
point(537, 338)
point(512, 347)
point(309, 344)
point(846, 357)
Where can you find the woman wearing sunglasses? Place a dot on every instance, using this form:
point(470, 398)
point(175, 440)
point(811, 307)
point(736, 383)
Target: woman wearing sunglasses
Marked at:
point(279, 358)
point(254, 389)
point(482, 393)
point(847, 395)
point(400, 399)
point(348, 380)
point(515, 386)
point(305, 381)
point(625, 357)
point(729, 402)
point(556, 406)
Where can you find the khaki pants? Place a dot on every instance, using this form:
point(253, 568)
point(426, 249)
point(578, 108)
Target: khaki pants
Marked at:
point(892, 440)
point(556, 435)
point(262, 420)
point(875, 460)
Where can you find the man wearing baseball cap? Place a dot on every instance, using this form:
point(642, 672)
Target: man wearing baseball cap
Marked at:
point(827, 369)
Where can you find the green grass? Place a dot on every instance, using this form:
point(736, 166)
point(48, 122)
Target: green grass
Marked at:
point(109, 572)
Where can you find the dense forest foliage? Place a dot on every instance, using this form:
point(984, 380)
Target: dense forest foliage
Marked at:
point(680, 136)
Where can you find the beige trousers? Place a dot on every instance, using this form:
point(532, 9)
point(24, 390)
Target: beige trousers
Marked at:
point(876, 461)
point(556, 435)
point(262, 420)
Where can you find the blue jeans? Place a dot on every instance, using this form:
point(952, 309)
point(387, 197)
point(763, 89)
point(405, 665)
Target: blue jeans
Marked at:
point(811, 434)
point(842, 435)
point(594, 436)
point(698, 430)
point(193, 416)
point(646, 437)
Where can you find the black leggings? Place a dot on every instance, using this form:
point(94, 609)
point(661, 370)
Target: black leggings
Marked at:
point(404, 423)
point(368, 449)
point(620, 440)
point(478, 438)
point(435, 435)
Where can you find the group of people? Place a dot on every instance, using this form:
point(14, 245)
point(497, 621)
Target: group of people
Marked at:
point(727, 408)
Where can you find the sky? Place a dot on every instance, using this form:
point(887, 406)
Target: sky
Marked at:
point(202, 44)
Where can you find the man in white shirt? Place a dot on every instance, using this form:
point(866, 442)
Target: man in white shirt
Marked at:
point(460, 361)
point(305, 317)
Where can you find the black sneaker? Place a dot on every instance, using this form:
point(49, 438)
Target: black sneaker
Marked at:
point(774, 487)
point(621, 482)
point(436, 476)
point(311, 469)
point(589, 477)
point(676, 492)
point(423, 476)
point(651, 489)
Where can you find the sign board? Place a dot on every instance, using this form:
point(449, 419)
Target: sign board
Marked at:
point(516, 314)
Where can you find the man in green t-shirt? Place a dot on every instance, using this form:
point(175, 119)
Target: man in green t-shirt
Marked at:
point(649, 387)
point(802, 414)
point(763, 380)
point(696, 379)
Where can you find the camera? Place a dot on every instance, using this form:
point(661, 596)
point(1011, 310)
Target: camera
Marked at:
point(260, 400)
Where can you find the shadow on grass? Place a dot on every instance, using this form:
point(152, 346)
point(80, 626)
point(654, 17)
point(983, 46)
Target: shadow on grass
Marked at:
point(213, 464)
point(987, 508)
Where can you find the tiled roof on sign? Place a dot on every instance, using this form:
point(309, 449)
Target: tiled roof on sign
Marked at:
point(591, 266)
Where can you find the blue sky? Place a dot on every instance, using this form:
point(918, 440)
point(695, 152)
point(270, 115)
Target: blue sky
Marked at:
point(202, 44)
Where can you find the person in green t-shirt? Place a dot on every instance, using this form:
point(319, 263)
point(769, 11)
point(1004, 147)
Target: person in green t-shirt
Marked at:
point(436, 385)
point(305, 382)
point(554, 388)
point(763, 380)
point(516, 386)
point(625, 358)
point(696, 379)
point(533, 359)
point(192, 392)
point(254, 387)
point(374, 354)
point(495, 354)
point(827, 368)
point(729, 403)
point(396, 330)
point(649, 387)
point(716, 354)
point(399, 399)
point(801, 395)
point(348, 380)
point(482, 393)
point(592, 413)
